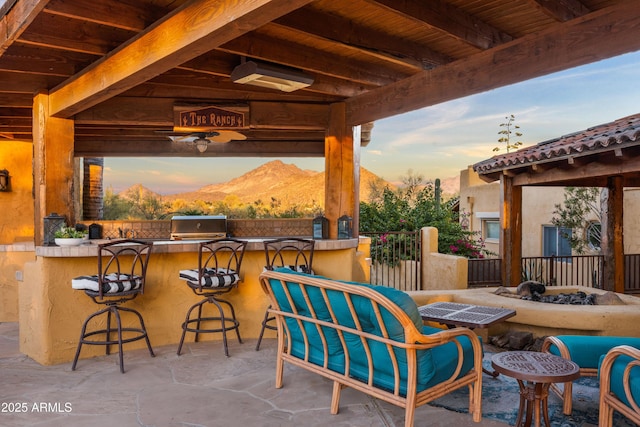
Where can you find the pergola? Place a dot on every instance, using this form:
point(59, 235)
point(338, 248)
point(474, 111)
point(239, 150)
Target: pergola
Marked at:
point(605, 156)
point(109, 78)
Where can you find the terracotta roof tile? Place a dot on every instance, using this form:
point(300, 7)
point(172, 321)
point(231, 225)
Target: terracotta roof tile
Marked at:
point(617, 134)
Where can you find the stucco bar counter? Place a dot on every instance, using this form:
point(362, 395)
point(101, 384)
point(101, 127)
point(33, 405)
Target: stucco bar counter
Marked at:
point(51, 312)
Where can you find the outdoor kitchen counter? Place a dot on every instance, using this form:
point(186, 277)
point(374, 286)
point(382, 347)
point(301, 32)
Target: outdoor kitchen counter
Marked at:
point(51, 312)
point(168, 246)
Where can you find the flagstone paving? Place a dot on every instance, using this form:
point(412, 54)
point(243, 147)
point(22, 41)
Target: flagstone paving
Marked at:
point(200, 388)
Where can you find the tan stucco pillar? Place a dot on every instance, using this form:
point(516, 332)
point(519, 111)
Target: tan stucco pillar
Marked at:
point(342, 170)
point(510, 231)
point(53, 165)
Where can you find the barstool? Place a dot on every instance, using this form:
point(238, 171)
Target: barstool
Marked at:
point(218, 273)
point(122, 270)
point(294, 253)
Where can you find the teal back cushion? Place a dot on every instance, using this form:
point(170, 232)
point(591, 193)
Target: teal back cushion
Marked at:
point(433, 365)
point(586, 350)
point(617, 385)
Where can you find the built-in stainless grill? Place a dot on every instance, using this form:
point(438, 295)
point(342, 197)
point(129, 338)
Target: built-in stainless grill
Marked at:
point(198, 227)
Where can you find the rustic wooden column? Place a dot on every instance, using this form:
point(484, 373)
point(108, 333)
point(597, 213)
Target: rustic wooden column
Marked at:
point(52, 165)
point(342, 170)
point(611, 206)
point(510, 231)
point(92, 188)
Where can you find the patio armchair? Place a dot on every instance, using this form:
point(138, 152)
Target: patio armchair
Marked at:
point(585, 350)
point(620, 385)
point(372, 339)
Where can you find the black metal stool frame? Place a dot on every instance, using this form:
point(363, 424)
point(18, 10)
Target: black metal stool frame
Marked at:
point(274, 252)
point(209, 254)
point(113, 252)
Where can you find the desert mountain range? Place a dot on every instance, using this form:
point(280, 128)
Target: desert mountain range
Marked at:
point(285, 182)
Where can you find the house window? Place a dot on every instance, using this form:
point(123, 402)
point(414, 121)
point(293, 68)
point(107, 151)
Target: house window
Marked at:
point(491, 230)
point(490, 226)
point(594, 235)
point(556, 241)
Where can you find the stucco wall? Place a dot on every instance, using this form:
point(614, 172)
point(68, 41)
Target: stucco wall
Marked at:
point(51, 312)
point(538, 204)
point(16, 214)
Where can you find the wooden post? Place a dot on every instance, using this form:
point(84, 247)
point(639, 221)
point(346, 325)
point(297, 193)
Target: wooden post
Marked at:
point(53, 166)
point(611, 206)
point(510, 231)
point(342, 170)
point(92, 185)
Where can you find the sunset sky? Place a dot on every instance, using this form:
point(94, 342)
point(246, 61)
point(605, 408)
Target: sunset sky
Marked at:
point(437, 141)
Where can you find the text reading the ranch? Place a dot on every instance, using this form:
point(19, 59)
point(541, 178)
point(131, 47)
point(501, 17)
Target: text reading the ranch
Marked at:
point(212, 117)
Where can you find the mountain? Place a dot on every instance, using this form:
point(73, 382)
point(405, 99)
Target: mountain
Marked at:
point(286, 183)
point(276, 180)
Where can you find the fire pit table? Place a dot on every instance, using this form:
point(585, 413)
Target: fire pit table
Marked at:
point(534, 372)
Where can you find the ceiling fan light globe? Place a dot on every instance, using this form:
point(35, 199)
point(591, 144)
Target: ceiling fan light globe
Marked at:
point(201, 144)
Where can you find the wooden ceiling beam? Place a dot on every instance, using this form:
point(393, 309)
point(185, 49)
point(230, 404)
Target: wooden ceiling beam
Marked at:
point(602, 34)
point(17, 20)
point(131, 17)
point(348, 33)
point(561, 10)
point(449, 19)
point(207, 94)
point(55, 32)
point(290, 53)
point(108, 148)
point(184, 34)
point(125, 111)
point(34, 60)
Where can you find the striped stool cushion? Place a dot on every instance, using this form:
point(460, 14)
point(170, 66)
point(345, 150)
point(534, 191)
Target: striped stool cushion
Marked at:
point(211, 277)
point(111, 283)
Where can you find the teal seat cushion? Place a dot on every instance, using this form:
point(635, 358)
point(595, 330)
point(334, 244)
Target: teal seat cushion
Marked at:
point(433, 366)
point(617, 385)
point(586, 350)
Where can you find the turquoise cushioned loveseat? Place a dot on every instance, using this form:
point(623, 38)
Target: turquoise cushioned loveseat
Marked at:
point(619, 375)
point(372, 339)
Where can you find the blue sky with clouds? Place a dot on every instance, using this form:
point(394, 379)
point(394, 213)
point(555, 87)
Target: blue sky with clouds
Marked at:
point(438, 141)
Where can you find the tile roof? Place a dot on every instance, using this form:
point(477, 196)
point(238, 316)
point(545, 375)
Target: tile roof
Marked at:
point(620, 133)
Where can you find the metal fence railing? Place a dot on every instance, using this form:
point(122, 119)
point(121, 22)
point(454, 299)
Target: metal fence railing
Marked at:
point(395, 259)
point(578, 270)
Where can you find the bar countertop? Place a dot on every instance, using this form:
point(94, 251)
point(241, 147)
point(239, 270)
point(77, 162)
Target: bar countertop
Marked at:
point(90, 248)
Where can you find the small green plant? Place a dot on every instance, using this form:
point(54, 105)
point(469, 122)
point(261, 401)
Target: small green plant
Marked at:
point(509, 128)
point(69, 233)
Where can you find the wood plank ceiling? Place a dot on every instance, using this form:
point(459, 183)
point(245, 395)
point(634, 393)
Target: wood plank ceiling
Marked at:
point(118, 68)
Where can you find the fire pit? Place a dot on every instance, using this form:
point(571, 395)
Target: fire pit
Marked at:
point(549, 319)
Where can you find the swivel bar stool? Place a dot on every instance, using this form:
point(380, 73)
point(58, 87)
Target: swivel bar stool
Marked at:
point(291, 252)
point(218, 273)
point(122, 270)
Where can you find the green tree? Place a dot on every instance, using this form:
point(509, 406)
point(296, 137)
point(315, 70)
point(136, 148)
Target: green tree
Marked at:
point(115, 207)
point(509, 128)
point(580, 206)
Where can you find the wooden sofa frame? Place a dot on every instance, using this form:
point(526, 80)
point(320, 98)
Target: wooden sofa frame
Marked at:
point(609, 402)
point(414, 341)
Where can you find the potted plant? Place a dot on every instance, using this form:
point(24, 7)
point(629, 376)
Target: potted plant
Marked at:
point(69, 236)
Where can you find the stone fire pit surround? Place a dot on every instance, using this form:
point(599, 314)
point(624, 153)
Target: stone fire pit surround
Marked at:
point(548, 319)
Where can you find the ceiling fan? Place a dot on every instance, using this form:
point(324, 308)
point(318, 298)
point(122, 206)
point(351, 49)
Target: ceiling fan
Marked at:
point(202, 139)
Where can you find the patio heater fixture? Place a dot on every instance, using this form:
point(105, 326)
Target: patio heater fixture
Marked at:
point(5, 184)
point(270, 76)
point(52, 223)
point(345, 227)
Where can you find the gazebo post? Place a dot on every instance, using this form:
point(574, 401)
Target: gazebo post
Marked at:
point(342, 170)
point(53, 165)
point(510, 231)
point(612, 244)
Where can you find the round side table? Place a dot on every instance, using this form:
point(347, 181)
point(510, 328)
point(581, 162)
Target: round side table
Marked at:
point(534, 372)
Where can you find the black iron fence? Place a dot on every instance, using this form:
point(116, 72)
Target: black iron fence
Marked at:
point(579, 270)
point(395, 259)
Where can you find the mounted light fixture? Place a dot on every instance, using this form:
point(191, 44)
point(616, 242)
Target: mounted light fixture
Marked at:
point(4, 180)
point(270, 76)
point(201, 140)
